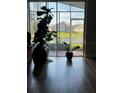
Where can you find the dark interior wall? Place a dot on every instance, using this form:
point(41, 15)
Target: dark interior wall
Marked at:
point(90, 29)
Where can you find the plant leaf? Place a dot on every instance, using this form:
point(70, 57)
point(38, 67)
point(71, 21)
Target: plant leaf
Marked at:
point(43, 8)
point(65, 43)
point(76, 47)
point(39, 13)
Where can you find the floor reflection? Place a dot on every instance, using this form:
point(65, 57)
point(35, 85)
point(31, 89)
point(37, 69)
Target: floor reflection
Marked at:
point(61, 76)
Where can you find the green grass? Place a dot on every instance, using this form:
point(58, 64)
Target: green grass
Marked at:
point(75, 36)
point(80, 44)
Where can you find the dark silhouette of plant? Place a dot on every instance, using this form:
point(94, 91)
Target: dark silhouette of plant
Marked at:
point(43, 34)
point(68, 47)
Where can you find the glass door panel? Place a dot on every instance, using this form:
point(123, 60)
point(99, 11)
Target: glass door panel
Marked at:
point(64, 32)
point(52, 44)
point(77, 36)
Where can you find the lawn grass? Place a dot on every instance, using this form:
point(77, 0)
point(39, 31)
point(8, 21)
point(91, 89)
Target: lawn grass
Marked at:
point(63, 36)
point(75, 36)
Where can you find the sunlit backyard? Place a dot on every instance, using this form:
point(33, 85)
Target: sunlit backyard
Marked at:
point(76, 38)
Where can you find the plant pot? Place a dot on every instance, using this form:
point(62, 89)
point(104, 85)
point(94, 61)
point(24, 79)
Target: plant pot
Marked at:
point(39, 55)
point(69, 56)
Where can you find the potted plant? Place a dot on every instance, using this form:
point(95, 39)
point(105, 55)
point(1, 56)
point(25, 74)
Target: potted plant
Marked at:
point(69, 53)
point(42, 36)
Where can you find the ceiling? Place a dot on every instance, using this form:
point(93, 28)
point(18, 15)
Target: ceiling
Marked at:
point(76, 3)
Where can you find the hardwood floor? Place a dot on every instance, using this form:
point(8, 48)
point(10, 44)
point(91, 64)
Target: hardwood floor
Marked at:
point(61, 76)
